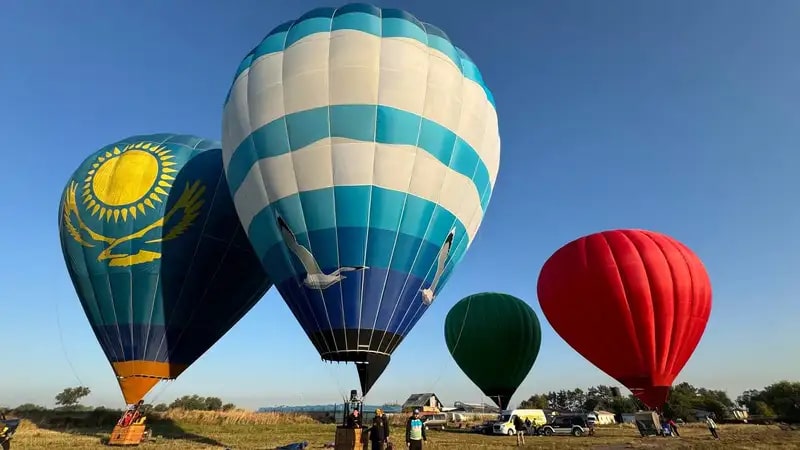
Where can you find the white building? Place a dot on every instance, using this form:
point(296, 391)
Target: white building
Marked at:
point(605, 418)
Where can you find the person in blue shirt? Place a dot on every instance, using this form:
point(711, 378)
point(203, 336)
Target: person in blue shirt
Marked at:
point(415, 432)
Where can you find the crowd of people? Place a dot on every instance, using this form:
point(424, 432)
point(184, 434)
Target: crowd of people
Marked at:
point(379, 430)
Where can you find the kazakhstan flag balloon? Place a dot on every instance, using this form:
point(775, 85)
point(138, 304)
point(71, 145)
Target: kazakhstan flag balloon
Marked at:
point(157, 255)
point(361, 147)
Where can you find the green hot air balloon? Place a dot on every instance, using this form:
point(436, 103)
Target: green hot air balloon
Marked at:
point(495, 339)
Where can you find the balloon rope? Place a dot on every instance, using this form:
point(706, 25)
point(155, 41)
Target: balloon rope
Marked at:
point(64, 346)
point(455, 347)
point(160, 389)
point(332, 373)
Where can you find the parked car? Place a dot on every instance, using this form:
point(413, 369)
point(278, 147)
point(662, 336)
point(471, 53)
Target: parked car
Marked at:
point(484, 428)
point(565, 425)
point(435, 421)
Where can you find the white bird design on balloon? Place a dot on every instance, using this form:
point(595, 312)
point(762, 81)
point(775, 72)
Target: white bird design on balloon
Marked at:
point(315, 278)
point(428, 293)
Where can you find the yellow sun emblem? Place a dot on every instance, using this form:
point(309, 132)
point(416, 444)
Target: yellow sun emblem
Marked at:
point(126, 181)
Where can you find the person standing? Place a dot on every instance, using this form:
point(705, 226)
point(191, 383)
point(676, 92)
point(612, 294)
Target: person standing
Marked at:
point(712, 427)
point(673, 427)
point(379, 432)
point(415, 432)
point(354, 419)
point(519, 427)
point(591, 421)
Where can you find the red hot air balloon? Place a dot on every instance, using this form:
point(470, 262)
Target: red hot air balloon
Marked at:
point(635, 303)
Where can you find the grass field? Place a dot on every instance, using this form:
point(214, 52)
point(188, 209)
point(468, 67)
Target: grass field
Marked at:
point(243, 430)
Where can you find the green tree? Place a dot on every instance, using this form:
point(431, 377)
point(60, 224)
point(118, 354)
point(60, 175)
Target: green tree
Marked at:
point(598, 398)
point(228, 407)
point(29, 407)
point(681, 402)
point(571, 400)
point(197, 403)
point(783, 398)
point(189, 402)
point(624, 405)
point(71, 397)
point(213, 404)
point(161, 407)
point(761, 408)
point(537, 401)
point(684, 399)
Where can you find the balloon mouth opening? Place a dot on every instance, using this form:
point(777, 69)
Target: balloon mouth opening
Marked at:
point(370, 350)
point(354, 345)
point(369, 365)
point(653, 396)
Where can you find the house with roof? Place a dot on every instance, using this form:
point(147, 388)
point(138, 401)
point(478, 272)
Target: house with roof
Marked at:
point(739, 413)
point(427, 402)
point(605, 417)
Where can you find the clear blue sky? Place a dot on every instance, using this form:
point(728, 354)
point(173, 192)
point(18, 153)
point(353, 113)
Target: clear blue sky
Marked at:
point(677, 116)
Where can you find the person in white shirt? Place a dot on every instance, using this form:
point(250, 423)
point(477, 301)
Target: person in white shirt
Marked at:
point(712, 427)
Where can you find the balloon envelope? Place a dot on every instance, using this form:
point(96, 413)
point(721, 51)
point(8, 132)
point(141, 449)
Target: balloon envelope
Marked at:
point(361, 147)
point(495, 339)
point(157, 255)
point(635, 303)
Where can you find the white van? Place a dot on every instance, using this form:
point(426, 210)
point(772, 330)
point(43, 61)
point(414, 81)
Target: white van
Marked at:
point(505, 423)
point(437, 421)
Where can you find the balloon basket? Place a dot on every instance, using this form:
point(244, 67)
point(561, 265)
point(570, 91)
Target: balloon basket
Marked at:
point(648, 423)
point(130, 435)
point(350, 438)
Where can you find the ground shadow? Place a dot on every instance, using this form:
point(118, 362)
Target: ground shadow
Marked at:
point(99, 423)
point(457, 431)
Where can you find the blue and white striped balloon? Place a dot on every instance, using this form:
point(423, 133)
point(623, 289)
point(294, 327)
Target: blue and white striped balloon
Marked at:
point(361, 147)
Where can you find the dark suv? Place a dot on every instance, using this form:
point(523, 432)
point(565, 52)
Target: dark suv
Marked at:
point(565, 425)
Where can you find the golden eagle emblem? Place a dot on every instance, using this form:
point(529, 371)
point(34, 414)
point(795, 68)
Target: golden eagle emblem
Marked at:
point(123, 182)
point(185, 212)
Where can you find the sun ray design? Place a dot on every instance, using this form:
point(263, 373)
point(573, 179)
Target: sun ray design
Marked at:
point(127, 182)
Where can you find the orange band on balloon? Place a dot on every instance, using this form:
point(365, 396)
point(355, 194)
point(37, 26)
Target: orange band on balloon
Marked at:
point(137, 378)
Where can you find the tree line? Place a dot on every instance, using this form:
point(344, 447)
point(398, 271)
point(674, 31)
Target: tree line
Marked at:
point(778, 400)
point(70, 399)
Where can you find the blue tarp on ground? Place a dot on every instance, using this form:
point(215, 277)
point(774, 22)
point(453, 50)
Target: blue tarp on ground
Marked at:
point(295, 446)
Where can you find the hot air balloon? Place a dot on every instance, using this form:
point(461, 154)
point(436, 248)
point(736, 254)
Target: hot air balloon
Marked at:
point(361, 147)
point(495, 339)
point(157, 255)
point(635, 303)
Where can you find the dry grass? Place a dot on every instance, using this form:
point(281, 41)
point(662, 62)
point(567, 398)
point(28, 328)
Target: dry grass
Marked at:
point(245, 430)
point(236, 417)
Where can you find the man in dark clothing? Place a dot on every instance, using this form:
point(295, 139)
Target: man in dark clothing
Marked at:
point(519, 427)
point(415, 432)
point(379, 432)
point(354, 420)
